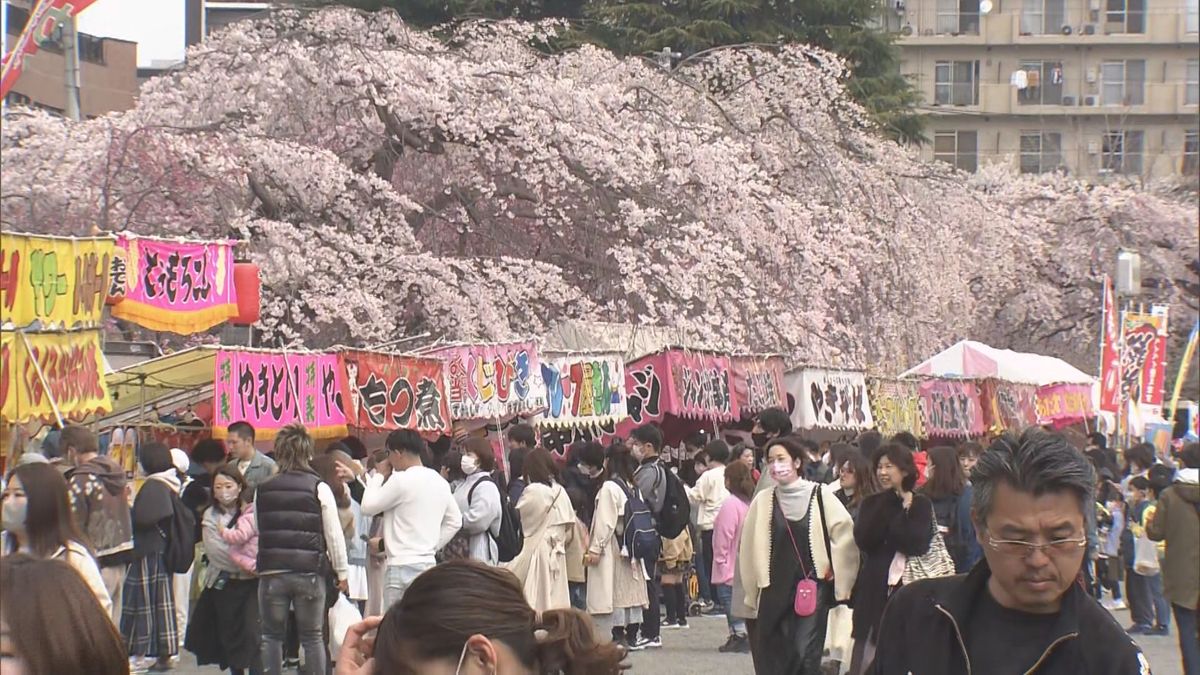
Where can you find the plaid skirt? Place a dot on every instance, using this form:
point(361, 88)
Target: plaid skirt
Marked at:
point(148, 613)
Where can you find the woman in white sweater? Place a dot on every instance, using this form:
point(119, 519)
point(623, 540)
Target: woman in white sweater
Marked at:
point(37, 519)
point(478, 498)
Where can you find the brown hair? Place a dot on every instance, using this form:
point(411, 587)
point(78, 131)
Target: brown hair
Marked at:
point(80, 438)
point(326, 468)
point(293, 448)
point(61, 627)
point(947, 479)
point(866, 481)
point(482, 449)
point(435, 618)
point(739, 480)
point(540, 467)
point(230, 470)
point(49, 521)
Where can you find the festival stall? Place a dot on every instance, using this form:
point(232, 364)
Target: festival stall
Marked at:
point(827, 399)
point(896, 406)
point(385, 391)
point(585, 397)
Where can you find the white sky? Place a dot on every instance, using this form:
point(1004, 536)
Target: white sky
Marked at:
point(156, 25)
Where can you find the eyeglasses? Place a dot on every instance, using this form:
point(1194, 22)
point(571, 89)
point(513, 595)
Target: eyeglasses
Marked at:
point(1022, 549)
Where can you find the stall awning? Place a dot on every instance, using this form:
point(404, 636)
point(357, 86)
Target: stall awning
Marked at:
point(974, 360)
point(190, 370)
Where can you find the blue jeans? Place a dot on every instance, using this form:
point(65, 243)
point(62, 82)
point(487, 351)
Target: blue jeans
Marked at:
point(1189, 643)
point(703, 573)
point(725, 595)
point(277, 593)
point(397, 579)
point(578, 592)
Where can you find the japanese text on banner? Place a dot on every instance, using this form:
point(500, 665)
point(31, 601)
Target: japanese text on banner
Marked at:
point(1143, 359)
point(1062, 404)
point(758, 384)
point(59, 282)
point(72, 366)
point(182, 287)
point(1010, 406)
point(701, 386)
point(273, 389)
point(896, 407)
point(390, 391)
point(831, 399)
point(490, 382)
point(952, 408)
point(584, 390)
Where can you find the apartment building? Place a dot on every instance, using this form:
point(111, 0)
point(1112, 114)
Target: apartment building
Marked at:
point(1091, 87)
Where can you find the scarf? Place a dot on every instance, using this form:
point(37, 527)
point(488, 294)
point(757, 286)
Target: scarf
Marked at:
point(795, 498)
point(170, 477)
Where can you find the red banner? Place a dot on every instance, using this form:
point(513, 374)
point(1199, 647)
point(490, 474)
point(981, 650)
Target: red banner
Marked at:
point(952, 408)
point(1110, 352)
point(1143, 358)
point(391, 391)
point(1009, 406)
point(44, 20)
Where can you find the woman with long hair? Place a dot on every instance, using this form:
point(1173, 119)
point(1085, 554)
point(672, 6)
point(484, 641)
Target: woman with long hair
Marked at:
point(38, 520)
point(727, 535)
point(225, 627)
point(51, 623)
point(548, 522)
point(856, 481)
point(947, 488)
point(797, 557)
point(436, 627)
point(616, 592)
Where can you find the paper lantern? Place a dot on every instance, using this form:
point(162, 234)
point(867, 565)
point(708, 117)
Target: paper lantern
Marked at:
point(249, 288)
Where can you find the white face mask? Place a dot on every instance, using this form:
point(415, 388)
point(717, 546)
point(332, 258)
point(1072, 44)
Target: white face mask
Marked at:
point(225, 497)
point(469, 464)
point(783, 471)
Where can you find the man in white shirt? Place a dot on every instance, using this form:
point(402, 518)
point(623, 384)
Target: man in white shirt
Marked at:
point(420, 514)
point(708, 496)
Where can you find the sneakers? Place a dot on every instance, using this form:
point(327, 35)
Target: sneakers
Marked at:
point(641, 643)
point(675, 625)
point(652, 643)
point(1114, 604)
point(1137, 629)
point(736, 644)
point(713, 610)
point(1158, 630)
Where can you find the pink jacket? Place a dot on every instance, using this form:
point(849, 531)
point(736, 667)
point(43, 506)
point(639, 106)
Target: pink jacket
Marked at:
point(727, 534)
point(243, 539)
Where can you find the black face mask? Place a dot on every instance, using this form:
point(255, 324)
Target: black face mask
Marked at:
point(760, 439)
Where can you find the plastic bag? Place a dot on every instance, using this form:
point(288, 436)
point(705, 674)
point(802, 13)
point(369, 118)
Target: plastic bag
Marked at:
point(342, 616)
point(1145, 557)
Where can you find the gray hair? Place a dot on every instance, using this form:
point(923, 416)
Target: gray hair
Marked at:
point(293, 448)
point(1038, 462)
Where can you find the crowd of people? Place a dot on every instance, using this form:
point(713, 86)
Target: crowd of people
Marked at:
point(873, 555)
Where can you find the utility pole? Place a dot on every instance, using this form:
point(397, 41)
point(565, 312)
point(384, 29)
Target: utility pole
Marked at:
point(70, 44)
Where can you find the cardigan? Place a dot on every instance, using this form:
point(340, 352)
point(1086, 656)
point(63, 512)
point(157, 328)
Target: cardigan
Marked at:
point(754, 553)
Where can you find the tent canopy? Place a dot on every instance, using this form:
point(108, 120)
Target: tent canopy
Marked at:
point(174, 379)
point(975, 360)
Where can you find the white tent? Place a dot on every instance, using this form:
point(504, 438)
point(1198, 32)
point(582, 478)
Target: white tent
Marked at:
point(975, 360)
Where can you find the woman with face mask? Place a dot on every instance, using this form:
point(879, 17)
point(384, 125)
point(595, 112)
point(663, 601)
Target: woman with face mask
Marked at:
point(796, 558)
point(225, 628)
point(37, 520)
point(478, 497)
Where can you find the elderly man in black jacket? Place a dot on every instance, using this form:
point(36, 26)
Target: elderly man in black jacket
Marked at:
point(1023, 609)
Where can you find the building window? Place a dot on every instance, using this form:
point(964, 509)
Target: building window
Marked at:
point(1125, 16)
point(959, 148)
point(1192, 20)
point(1043, 82)
point(1043, 17)
point(958, 17)
point(1123, 82)
point(1191, 153)
point(1041, 151)
point(1191, 94)
point(1122, 152)
point(956, 83)
point(91, 49)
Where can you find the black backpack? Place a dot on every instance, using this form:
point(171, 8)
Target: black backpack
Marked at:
point(640, 539)
point(677, 509)
point(180, 536)
point(511, 538)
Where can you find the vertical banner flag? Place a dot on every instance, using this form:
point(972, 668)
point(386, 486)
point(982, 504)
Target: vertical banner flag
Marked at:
point(701, 386)
point(178, 286)
point(952, 408)
point(1143, 360)
point(72, 366)
point(271, 390)
point(57, 281)
point(1110, 352)
point(1189, 354)
point(41, 29)
point(492, 382)
point(393, 391)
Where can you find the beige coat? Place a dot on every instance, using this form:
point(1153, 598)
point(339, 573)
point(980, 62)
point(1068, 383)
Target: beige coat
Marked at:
point(615, 581)
point(576, 548)
point(547, 518)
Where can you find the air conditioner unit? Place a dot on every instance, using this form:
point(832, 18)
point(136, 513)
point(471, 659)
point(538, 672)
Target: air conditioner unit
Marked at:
point(927, 32)
point(1068, 100)
point(1088, 29)
point(1093, 147)
point(1067, 30)
point(906, 30)
point(1091, 101)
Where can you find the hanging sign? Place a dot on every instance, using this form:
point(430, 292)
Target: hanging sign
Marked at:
point(1143, 359)
point(58, 281)
point(40, 30)
point(701, 386)
point(72, 366)
point(493, 381)
point(1062, 404)
point(758, 384)
point(896, 406)
point(393, 391)
point(178, 286)
point(646, 387)
point(584, 390)
point(830, 399)
point(951, 408)
point(1009, 406)
point(271, 390)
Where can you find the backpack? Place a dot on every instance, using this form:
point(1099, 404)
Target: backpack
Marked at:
point(511, 537)
point(180, 537)
point(677, 510)
point(640, 540)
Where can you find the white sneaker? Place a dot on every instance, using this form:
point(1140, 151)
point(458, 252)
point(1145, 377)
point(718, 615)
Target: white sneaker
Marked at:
point(1113, 605)
point(138, 665)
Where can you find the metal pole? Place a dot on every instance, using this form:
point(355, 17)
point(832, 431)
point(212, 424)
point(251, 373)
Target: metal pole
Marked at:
point(70, 39)
point(42, 378)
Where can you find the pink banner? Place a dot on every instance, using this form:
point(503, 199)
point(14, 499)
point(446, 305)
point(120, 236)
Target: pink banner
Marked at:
point(951, 408)
point(701, 386)
point(1062, 404)
point(758, 384)
point(178, 286)
point(493, 382)
point(273, 389)
point(645, 393)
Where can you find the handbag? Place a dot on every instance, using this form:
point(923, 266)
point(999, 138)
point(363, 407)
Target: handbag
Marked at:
point(805, 602)
point(342, 615)
point(934, 563)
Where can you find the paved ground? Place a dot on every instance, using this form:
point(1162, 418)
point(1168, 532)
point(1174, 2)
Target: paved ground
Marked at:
point(694, 652)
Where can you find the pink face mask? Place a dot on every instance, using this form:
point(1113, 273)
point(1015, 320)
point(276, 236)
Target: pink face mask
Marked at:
point(783, 472)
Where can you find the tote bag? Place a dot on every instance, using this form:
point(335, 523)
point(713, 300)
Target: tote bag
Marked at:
point(934, 563)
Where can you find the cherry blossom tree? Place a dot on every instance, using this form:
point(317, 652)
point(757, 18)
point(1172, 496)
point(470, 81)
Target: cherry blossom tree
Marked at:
point(391, 181)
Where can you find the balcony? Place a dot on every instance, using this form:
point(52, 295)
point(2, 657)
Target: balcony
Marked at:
point(922, 26)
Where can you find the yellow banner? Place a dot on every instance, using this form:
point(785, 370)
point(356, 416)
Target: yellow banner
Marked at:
point(73, 369)
point(61, 282)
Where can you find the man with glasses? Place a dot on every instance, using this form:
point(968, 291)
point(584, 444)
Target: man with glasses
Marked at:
point(1022, 609)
